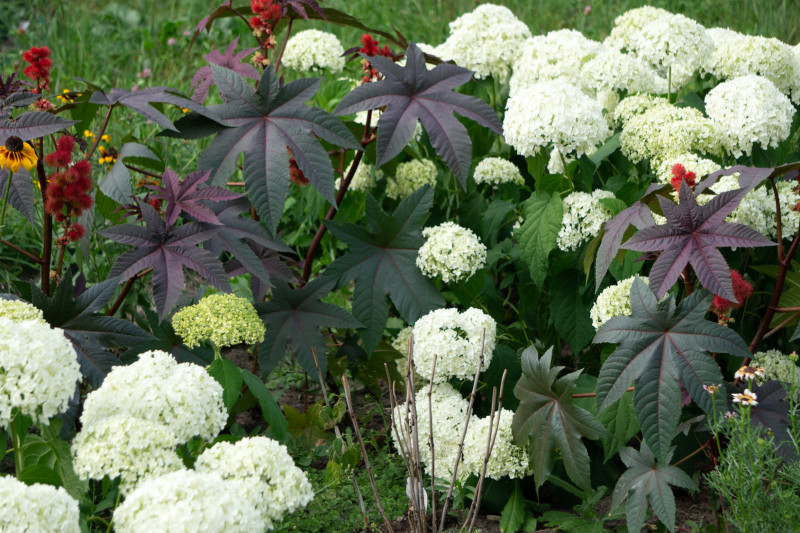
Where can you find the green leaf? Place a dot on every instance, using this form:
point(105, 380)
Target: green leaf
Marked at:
point(117, 183)
point(548, 419)
point(648, 480)
point(383, 263)
point(229, 376)
point(269, 407)
point(609, 147)
point(39, 473)
point(790, 297)
point(538, 234)
point(293, 318)
point(657, 346)
point(62, 461)
point(570, 315)
point(620, 421)
point(514, 512)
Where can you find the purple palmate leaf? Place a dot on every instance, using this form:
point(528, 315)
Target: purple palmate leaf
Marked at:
point(692, 235)
point(185, 196)
point(413, 93)
point(203, 79)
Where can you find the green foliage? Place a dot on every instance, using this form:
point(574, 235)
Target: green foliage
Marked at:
point(548, 421)
point(537, 236)
point(648, 480)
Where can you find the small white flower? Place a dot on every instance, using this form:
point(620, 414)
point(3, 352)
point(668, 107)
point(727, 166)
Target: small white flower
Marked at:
point(749, 373)
point(450, 252)
point(615, 300)
point(314, 50)
point(496, 171)
point(554, 114)
point(749, 110)
point(583, 218)
point(409, 177)
point(37, 508)
point(484, 41)
point(745, 398)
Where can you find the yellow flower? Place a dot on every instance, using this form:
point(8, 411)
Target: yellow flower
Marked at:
point(88, 134)
point(67, 96)
point(105, 138)
point(15, 154)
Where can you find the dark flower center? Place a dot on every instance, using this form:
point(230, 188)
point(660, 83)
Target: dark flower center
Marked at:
point(14, 144)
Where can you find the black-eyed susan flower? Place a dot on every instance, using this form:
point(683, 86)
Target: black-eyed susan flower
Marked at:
point(68, 97)
point(745, 398)
point(15, 154)
point(749, 373)
point(107, 156)
point(88, 134)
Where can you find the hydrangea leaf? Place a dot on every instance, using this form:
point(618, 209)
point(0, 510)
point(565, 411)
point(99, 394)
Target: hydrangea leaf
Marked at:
point(691, 235)
point(539, 233)
point(570, 315)
point(168, 341)
point(229, 376)
point(413, 93)
point(264, 124)
point(293, 319)
point(656, 346)
point(91, 334)
point(647, 479)
point(186, 196)
point(548, 419)
point(167, 250)
point(382, 262)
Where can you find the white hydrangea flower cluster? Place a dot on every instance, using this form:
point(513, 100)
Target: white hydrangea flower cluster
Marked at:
point(187, 501)
point(736, 54)
point(183, 397)
point(635, 105)
point(449, 415)
point(747, 110)
point(314, 50)
point(131, 449)
point(672, 40)
point(410, 176)
point(612, 69)
point(221, 319)
point(691, 162)
point(450, 252)
point(556, 163)
point(364, 179)
point(485, 41)
point(38, 370)
point(264, 473)
point(615, 300)
point(665, 129)
point(583, 218)
point(779, 367)
point(162, 403)
point(628, 25)
point(37, 508)
point(455, 338)
point(757, 208)
point(496, 171)
point(558, 55)
point(554, 114)
point(17, 310)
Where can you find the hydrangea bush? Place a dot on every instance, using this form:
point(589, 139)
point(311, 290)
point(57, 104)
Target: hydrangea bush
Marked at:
point(610, 226)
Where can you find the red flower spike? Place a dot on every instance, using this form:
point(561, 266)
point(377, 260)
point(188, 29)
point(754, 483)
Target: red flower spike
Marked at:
point(741, 289)
point(65, 143)
point(679, 174)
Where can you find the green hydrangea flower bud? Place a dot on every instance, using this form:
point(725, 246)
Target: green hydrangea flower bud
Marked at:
point(221, 319)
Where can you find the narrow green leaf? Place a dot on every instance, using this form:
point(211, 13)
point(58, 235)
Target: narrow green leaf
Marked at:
point(538, 234)
point(514, 512)
point(269, 407)
point(229, 376)
point(620, 421)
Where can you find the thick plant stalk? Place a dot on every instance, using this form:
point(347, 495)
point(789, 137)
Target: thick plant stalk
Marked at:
point(346, 385)
point(463, 436)
point(47, 226)
point(338, 433)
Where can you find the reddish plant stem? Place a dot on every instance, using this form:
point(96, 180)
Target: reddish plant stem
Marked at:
point(61, 249)
point(235, 184)
point(776, 296)
point(47, 225)
point(778, 221)
point(686, 275)
point(33, 257)
point(145, 172)
point(283, 44)
point(698, 450)
point(99, 133)
point(312, 249)
point(125, 290)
